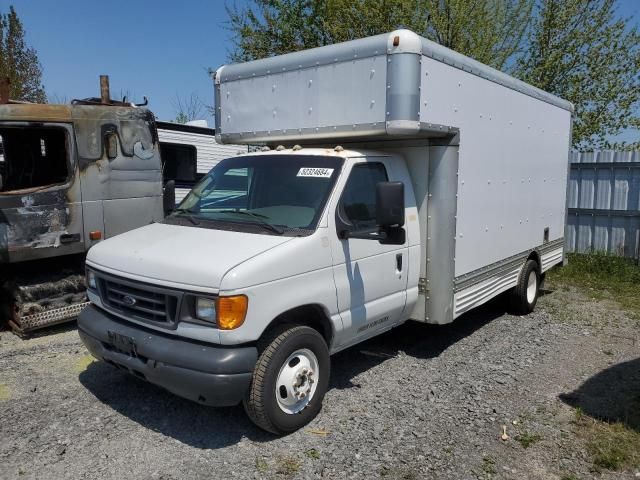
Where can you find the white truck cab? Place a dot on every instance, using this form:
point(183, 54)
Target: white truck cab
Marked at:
point(277, 259)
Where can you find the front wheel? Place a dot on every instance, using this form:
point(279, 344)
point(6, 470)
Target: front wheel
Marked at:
point(289, 381)
point(524, 295)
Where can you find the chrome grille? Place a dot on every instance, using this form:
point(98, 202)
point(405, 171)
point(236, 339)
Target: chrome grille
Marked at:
point(139, 301)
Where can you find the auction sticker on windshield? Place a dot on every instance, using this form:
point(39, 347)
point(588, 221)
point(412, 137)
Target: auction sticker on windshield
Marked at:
point(315, 172)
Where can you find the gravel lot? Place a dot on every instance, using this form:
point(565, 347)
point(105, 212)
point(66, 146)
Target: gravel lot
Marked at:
point(418, 402)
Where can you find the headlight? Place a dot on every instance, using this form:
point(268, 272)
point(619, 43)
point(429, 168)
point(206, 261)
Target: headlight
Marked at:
point(91, 280)
point(206, 309)
point(226, 313)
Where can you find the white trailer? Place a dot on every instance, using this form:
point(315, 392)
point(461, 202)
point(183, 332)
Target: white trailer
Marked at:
point(400, 181)
point(189, 151)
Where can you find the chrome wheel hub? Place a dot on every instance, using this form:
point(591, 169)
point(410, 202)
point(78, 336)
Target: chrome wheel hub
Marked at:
point(297, 381)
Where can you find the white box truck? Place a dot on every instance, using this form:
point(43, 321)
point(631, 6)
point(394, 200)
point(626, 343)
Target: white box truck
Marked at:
point(404, 181)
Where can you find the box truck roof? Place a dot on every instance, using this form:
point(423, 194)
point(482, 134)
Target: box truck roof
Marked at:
point(373, 87)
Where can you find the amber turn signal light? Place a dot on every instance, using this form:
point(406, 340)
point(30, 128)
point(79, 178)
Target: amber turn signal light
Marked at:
point(232, 311)
point(95, 235)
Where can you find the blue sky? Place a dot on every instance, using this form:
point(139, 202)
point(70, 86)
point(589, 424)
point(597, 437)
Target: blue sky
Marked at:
point(157, 48)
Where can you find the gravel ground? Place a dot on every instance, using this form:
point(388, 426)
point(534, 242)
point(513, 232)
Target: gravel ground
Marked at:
point(418, 402)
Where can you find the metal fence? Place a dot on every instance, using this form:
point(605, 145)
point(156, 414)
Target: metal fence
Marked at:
point(604, 203)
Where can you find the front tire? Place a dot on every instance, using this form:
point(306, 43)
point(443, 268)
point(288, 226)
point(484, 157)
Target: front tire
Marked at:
point(524, 295)
point(289, 381)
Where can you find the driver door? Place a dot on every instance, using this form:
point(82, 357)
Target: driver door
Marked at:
point(371, 278)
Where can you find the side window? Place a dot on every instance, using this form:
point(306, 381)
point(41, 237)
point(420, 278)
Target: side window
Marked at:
point(359, 196)
point(180, 162)
point(33, 157)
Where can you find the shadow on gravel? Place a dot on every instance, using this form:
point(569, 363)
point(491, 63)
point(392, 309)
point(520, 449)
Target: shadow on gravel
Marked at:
point(416, 339)
point(212, 428)
point(154, 408)
point(612, 395)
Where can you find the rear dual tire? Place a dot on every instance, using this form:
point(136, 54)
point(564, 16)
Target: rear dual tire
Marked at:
point(289, 381)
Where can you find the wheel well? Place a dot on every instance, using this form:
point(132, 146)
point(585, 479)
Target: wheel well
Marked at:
point(312, 316)
point(536, 257)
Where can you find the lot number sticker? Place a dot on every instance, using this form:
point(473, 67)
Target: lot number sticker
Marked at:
point(315, 172)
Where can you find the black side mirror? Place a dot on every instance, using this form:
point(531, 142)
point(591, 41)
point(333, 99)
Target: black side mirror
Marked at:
point(169, 197)
point(390, 204)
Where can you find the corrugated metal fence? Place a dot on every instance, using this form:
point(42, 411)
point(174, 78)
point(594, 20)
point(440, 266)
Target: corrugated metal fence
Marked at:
point(604, 203)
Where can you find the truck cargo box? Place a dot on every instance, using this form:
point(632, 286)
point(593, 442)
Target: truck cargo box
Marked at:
point(487, 152)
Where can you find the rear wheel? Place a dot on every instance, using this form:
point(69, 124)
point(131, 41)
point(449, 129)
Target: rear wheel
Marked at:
point(524, 295)
point(289, 381)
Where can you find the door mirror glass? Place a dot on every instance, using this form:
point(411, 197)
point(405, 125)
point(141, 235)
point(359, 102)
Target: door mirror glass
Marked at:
point(390, 204)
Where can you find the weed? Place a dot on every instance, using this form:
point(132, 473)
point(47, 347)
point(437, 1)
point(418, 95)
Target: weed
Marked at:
point(527, 439)
point(489, 465)
point(5, 394)
point(261, 465)
point(612, 446)
point(578, 413)
point(287, 465)
point(312, 453)
point(608, 352)
point(604, 276)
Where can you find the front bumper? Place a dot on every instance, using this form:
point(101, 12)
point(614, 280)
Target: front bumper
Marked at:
point(210, 375)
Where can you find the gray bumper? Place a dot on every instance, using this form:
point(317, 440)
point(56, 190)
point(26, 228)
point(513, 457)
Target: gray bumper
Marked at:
point(210, 375)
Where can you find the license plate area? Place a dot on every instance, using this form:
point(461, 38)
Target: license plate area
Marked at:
point(122, 343)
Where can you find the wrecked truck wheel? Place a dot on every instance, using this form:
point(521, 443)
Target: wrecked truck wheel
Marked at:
point(525, 294)
point(289, 380)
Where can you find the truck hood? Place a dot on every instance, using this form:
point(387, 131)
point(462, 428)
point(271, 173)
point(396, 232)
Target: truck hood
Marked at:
point(178, 256)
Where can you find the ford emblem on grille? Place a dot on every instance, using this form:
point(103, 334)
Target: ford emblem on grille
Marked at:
point(128, 300)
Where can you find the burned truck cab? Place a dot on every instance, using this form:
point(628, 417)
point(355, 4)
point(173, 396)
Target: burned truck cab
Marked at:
point(70, 176)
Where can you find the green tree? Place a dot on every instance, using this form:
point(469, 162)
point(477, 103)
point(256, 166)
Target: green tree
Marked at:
point(18, 61)
point(490, 31)
point(582, 51)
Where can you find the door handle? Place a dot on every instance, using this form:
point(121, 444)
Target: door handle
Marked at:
point(399, 262)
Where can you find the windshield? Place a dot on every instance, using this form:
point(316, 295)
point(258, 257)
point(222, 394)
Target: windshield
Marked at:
point(271, 193)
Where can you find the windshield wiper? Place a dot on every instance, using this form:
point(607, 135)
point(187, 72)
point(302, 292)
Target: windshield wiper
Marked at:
point(259, 217)
point(187, 212)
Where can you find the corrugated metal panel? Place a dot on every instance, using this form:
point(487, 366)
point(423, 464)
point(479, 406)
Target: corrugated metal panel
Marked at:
point(604, 203)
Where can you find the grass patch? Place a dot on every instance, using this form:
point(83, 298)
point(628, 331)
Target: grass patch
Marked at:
point(612, 446)
point(604, 276)
point(261, 465)
point(287, 466)
point(579, 414)
point(527, 439)
point(313, 454)
point(489, 465)
point(5, 394)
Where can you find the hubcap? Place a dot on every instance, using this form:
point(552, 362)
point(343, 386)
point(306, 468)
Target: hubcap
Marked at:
point(297, 381)
point(532, 287)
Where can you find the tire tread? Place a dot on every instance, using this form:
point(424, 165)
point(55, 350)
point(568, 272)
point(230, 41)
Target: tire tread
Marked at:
point(268, 346)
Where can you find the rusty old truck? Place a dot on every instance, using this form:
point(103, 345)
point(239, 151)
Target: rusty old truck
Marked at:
point(70, 176)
